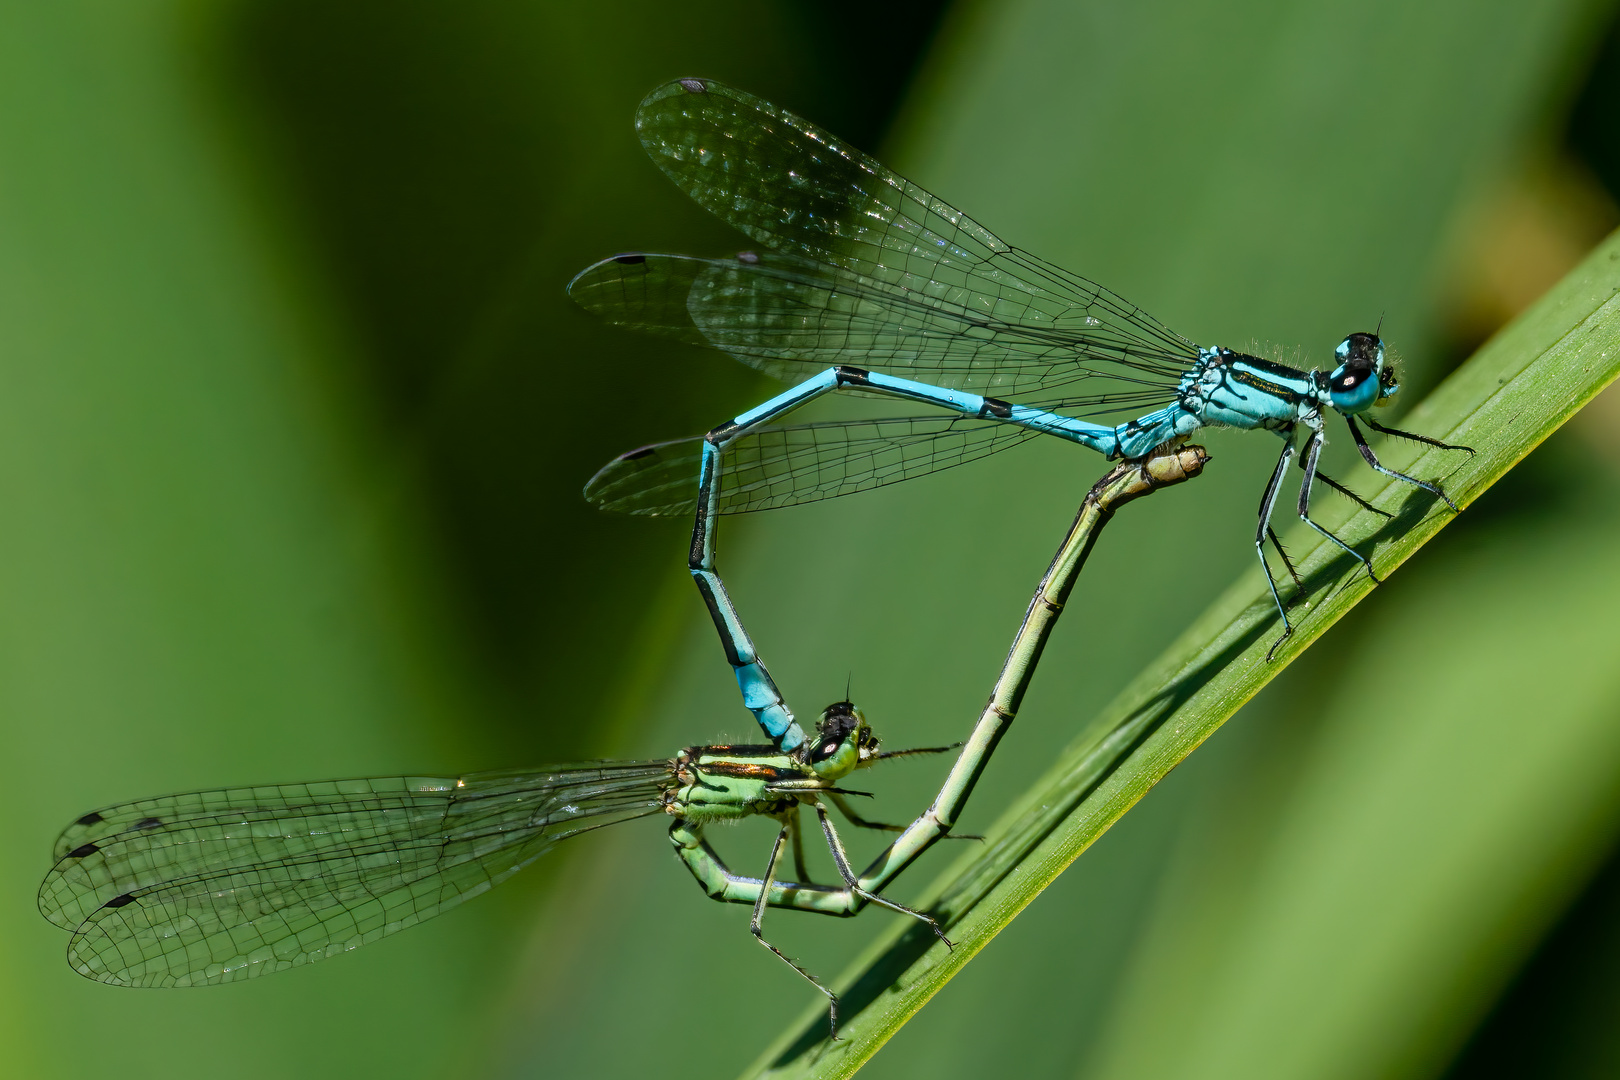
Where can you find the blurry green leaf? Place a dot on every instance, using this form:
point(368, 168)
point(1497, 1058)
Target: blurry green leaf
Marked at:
point(288, 489)
point(207, 576)
point(1558, 1017)
point(1503, 402)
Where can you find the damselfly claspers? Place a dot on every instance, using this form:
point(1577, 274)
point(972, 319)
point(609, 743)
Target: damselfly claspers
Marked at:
point(871, 284)
point(224, 885)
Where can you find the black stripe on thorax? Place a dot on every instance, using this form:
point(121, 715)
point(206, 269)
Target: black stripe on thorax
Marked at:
point(1266, 367)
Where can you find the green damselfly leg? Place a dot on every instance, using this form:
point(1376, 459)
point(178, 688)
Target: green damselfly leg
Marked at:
point(224, 885)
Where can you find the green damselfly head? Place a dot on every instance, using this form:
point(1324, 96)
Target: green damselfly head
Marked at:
point(843, 742)
point(1365, 376)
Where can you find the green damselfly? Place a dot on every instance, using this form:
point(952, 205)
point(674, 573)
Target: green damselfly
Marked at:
point(219, 886)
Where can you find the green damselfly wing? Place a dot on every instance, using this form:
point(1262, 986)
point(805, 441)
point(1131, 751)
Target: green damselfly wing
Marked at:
point(216, 886)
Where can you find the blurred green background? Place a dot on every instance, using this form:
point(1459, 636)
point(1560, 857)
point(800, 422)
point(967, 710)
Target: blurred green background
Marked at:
point(294, 416)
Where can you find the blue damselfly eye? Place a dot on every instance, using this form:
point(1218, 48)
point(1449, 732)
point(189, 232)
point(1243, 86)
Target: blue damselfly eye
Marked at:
point(1352, 388)
point(1361, 350)
point(1360, 379)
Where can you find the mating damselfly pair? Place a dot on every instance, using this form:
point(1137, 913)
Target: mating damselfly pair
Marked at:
point(868, 284)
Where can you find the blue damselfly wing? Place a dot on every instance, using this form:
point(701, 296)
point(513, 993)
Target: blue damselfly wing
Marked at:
point(798, 463)
point(790, 318)
point(837, 219)
point(865, 268)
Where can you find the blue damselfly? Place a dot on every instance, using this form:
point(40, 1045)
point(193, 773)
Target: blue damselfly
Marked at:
point(868, 283)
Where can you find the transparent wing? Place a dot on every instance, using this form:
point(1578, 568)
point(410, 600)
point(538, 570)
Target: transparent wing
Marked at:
point(790, 317)
point(880, 251)
point(217, 886)
point(784, 466)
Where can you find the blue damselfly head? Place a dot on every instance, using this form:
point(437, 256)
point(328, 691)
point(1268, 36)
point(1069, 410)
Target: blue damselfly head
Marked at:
point(1365, 376)
point(843, 742)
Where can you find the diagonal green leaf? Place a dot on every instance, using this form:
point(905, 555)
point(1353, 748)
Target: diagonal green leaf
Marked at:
point(1509, 397)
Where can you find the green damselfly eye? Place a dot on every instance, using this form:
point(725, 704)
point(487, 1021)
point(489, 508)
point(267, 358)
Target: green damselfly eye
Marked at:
point(843, 740)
